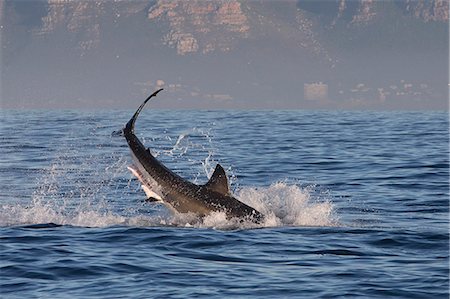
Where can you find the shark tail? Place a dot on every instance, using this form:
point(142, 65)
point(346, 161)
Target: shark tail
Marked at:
point(129, 127)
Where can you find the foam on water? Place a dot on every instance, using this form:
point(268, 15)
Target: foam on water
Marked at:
point(290, 205)
point(283, 205)
point(11, 215)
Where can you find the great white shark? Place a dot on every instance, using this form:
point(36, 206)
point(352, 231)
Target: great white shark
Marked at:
point(163, 185)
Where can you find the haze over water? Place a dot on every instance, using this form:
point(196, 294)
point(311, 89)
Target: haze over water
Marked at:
point(314, 54)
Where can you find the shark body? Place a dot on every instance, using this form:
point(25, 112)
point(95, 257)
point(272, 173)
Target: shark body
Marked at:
point(163, 185)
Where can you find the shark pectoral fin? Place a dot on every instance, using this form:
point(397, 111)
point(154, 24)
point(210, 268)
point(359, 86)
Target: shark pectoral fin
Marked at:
point(151, 196)
point(219, 181)
point(152, 199)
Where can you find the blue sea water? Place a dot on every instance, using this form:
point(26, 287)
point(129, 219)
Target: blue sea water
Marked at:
point(357, 206)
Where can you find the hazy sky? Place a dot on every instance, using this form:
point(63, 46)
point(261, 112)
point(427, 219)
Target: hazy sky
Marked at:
point(225, 54)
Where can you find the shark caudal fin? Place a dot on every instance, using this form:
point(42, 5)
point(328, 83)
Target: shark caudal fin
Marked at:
point(219, 181)
point(129, 128)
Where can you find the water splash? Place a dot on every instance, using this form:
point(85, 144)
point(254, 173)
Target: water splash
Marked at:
point(38, 213)
point(281, 203)
point(90, 190)
point(286, 204)
point(196, 148)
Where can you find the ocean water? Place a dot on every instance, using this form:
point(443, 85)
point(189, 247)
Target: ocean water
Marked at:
point(357, 206)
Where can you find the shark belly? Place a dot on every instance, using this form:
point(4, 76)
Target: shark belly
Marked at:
point(176, 198)
point(145, 185)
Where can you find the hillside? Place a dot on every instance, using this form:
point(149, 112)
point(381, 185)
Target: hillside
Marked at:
point(225, 54)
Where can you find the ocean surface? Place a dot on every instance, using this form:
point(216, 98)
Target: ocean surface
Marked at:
point(356, 205)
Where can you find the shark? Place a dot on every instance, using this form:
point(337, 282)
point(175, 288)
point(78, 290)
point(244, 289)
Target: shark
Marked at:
point(160, 184)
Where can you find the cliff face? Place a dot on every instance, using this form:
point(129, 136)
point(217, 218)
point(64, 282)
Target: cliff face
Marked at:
point(203, 26)
point(437, 10)
point(199, 26)
point(366, 11)
point(74, 17)
point(192, 26)
point(81, 21)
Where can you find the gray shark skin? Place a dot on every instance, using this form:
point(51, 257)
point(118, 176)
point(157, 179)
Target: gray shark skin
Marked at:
point(180, 195)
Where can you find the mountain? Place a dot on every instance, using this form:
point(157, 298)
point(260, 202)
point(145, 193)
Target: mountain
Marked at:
point(225, 53)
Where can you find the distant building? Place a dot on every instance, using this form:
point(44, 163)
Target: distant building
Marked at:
point(160, 83)
point(315, 91)
point(382, 95)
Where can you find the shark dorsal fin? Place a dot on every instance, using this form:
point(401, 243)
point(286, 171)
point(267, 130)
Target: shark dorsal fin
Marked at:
point(219, 181)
